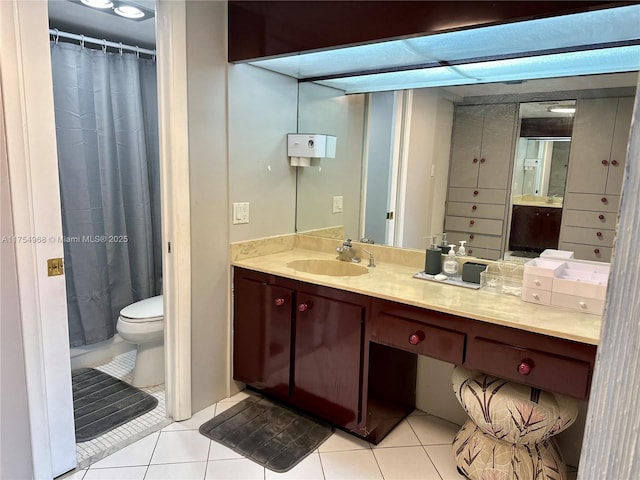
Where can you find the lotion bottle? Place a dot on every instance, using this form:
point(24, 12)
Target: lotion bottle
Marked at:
point(451, 263)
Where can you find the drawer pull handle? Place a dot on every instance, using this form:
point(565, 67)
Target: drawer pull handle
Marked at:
point(614, 163)
point(303, 307)
point(582, 304)
point(472, 236)
point(536, 296)
point(470, 250)
point(603, 199)
point(599, 234)
point(475, 160)
point(475, 207)
point(471, 222)
point(416, 338)
point(280, 301)
point(537, 283)
point(482, 160)
point(475, 192)
point(525, 367)
point(601, 217)
point(605, 163)
point(596, 251)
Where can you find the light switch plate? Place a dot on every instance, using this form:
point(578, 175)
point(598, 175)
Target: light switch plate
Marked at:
point(337, 204)
point(240, 213)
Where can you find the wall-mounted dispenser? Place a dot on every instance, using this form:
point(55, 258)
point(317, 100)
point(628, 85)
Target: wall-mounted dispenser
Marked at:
point(303, 147)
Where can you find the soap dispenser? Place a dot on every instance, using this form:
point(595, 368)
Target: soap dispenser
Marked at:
point(450, 267)
point(462, 251)
point(444, 248)
point(433, 261)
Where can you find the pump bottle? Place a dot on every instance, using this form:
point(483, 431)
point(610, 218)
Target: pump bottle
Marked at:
point(450, 267)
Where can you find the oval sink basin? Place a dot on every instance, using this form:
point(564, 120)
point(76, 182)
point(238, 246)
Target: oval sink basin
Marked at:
point(334, 268)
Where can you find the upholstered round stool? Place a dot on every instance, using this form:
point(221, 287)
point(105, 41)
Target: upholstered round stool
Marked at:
point(510, 428)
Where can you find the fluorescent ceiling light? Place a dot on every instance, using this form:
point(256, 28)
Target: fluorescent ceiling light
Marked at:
point(560, 109)
point(587, 43)
point(98, 3)
point(129, 11)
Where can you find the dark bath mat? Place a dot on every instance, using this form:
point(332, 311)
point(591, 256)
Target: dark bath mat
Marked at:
point(102, 403)
point(274, 436)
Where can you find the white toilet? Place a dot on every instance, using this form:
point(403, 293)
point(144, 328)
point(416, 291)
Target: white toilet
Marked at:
point(142, 323)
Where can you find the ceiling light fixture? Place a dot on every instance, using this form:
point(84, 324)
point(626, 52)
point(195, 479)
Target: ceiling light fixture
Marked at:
point(98, 3)
point(128, 11)
point(561, 109)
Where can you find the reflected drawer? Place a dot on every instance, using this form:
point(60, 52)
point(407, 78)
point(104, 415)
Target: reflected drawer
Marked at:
point(583, 304)
point(588, 252)
point(596, 219)
point(473, 225)
point(476, 210)
point(590, 236)
point(590, 201)
point(536, 368)
point(416, 337)
point(476, 240)
point(487, 253)
point(477, 195)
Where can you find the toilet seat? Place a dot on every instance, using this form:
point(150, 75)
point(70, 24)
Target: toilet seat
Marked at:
point(147, 310)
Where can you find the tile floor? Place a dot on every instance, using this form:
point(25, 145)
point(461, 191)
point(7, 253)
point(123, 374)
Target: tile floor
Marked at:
point(418, 448)
point(121, 366)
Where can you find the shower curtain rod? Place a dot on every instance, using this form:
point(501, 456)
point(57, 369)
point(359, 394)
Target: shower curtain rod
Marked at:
point(105, 43)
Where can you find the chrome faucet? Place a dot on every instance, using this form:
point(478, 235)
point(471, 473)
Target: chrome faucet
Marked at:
point(346, 253)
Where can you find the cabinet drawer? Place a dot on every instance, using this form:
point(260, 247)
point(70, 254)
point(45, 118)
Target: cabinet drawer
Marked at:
point(436, 342)
point(589, 201)
point(473, 225)
point(538, 282)
point(485, 253)
point(588, 252)
point(575, 302)
point(546, 370)
point(533, 295)
point(596, 219)
point(589, 236)
point(477, 195)
point(476, 240)
point(475, 210)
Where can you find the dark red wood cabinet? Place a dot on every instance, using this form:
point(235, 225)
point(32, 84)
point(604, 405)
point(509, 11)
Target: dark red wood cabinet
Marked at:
point(534, 229)
point(352, 359)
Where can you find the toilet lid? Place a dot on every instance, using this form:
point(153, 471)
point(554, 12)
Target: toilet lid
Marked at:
point(144, 310)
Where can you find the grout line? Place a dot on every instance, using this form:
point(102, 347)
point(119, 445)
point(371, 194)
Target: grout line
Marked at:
point(432, 462)
point(321, 466)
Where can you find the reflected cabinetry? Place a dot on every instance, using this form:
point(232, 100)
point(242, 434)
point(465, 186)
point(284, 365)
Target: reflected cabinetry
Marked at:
point(596, 170)
point(480, 176)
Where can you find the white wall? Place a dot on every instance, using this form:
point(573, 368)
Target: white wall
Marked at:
point(15, 440)
point(262, 110)
point(427, 168)
point(329, 111)
point(208, 183)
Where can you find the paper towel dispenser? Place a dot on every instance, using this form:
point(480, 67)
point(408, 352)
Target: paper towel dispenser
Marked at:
point(303, 147)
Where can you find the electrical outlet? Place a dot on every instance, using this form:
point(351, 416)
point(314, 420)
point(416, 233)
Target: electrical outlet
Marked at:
point(337, 204)
point(240, 213)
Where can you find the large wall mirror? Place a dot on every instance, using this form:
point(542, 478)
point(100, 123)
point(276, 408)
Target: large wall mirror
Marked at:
point(396, 172)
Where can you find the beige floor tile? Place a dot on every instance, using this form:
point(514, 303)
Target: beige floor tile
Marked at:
point(401, 436)
point(444, 461)
point(181, 446)
point(238, 469)
point(136, 454)
point(341, 441)
point(117, 473)
point(308, 469)
point(405, 463)
point(350, 465)
point(433, 430)
point(194, 422)
point(175, 471)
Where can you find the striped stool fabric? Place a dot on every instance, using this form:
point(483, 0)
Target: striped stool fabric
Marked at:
point(510, 428)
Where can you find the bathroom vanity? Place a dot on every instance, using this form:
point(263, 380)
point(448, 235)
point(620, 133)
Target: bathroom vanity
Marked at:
point(345, 348)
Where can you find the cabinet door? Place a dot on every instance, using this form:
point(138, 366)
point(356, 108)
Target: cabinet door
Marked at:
point(496, 155)
point(591, 145)
point(619, 146)
point(262, 335)
point(465, 150)
point(328, 348)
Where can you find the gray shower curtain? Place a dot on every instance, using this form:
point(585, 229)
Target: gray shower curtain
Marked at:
point(107, 135)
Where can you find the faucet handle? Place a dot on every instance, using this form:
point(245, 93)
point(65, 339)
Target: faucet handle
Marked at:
point(372, 262)
point(347, 243)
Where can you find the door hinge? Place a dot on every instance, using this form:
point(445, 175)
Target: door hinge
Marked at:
point(389, 215)
point(168, 247)
point(55, 266)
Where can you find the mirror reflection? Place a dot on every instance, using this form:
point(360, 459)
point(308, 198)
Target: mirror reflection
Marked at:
point(408, 163)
